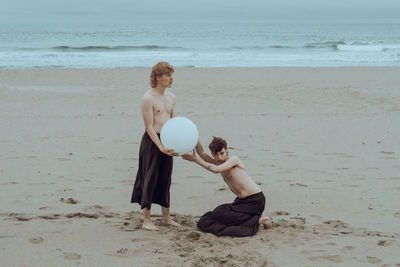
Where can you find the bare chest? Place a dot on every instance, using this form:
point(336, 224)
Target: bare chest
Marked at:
point(162, 107)
point(232, 174)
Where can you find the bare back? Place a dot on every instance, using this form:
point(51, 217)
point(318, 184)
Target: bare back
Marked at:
point(239, 181)
point(162, 107)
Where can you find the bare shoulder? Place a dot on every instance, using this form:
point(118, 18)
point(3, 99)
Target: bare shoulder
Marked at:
point(234, 159)
point(171, 96)
point(238, 162)
point(147, 98)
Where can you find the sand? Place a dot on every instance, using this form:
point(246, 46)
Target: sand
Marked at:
point(322, 143)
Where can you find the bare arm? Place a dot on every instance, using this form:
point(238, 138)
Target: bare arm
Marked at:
point(202, 154)
point(174, 104)
point(227, 165)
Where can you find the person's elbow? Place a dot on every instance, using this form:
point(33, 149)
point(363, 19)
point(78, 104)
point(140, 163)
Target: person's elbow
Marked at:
point(215, 170)
point(203, 156)
point(199, 150)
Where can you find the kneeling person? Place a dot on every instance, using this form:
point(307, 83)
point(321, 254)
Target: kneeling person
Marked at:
point(242, 217)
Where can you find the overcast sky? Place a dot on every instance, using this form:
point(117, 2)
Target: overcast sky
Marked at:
point(91, 11)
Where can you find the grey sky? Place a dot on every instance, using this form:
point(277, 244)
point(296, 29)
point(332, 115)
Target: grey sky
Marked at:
point(28, 11)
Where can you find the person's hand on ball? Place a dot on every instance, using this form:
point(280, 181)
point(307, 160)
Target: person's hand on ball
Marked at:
point(190, 156)
point(169, 152)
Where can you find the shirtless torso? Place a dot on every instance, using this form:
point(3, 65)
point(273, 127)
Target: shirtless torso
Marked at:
point(239, 181)
point(162, 107)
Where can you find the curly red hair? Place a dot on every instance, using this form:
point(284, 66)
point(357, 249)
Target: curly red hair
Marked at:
point(158, 70)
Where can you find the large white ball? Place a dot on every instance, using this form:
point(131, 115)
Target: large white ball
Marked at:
point(179, 134)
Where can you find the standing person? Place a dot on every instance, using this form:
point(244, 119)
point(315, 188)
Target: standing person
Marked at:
point(153, 179)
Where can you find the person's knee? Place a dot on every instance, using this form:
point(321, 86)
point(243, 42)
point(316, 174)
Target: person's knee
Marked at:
point(204, 220)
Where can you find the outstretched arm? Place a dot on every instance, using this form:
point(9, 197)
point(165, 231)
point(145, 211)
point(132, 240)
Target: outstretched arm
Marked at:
point(202, 154)
point(227, 165)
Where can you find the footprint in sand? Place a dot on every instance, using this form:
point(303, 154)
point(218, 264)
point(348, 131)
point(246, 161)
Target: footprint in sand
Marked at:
point(337, 224)
point(72, 256)
point(193, 236)
point(323, 244)
point(23, 219)
point(240, 241)
point(69, 201)
point(387, 152)
point(299, 220)
point(49, 217)
point(312, 251)
point(279, 213)
point(82, 215)
point(63, 159)
point(373, 260)
point(36, 240)
point(94, 207)
point(298, 184)
point(350, 185)
point(331, 258)
point(122, 251)
point(384, 243)
point(346, 249)
point(127, 227)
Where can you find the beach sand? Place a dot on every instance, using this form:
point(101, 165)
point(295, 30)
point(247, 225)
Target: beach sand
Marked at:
point(322, 143)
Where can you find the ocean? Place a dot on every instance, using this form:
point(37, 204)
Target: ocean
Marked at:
point(191, 44)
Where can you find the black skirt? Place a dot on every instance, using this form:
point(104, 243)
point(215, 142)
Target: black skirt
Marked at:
point(239, 218)
point(153, 179)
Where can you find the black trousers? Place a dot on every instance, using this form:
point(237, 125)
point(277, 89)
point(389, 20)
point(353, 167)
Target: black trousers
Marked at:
point(239, 218)
point(153, 179)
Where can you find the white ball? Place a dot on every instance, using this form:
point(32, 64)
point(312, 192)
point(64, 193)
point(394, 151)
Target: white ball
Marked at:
point(179, 134)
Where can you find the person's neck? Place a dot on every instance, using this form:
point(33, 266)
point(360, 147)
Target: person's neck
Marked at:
point(160, 90)
point(222, 161)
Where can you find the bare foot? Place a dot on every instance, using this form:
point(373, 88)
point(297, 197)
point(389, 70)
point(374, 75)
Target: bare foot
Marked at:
point(170, 222)
point(150, 226)
point(266, 221)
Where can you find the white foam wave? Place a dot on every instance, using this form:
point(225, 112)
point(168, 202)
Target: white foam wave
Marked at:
point(368, 47)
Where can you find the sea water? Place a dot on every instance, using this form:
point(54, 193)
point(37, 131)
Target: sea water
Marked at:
point(205, 44)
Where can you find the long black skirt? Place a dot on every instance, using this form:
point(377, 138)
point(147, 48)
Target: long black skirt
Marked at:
point(239, 218)
point(153, 179)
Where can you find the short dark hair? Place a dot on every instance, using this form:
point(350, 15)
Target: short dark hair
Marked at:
point(217, 144)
